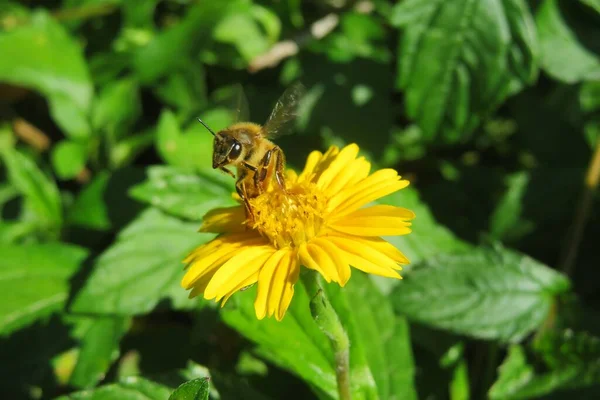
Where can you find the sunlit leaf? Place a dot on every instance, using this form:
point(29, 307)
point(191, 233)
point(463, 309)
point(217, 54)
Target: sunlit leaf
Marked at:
point(132, 388)
point(68, 158)
point(185, 194)
point(39, 190)
point(484, 51)
point(41, 55)
point(492, 294)
point(142, 267)
point(196, 389)
point(34, 280)
point(98, 347)
point(564, 56)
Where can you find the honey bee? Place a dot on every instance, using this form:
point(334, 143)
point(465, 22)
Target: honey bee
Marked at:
point(248, 147)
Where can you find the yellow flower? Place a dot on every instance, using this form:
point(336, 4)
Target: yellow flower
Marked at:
point(317, 222)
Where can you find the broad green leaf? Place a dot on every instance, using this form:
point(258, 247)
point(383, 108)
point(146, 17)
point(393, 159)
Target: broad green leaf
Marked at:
point(184, 194)
point(131, 388)
point(296, 343)
point(41, 55)
point(127, 149)
point(595, 4)
point(141, 268)
point(193, 147)
point(34, 280)
point(485, 293)
point(196, 389)
point(381, 358)
point(564, 57)
point(104, 203)
point(169, 49)
point(521, 377)
point(484, 51)
point(184, 89)
point(89, 209)
point(68, 158)
point(240, 29)
point(40, 191)
point(380, 342)
point(98, 348)
point(117, 106)
point(589, 96)
point(507, 221)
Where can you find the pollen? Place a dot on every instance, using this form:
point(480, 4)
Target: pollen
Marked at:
point(292, 217)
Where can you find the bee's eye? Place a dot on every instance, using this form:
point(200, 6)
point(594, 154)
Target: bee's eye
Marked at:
point(235, 151)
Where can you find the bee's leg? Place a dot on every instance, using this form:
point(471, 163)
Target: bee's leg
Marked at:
point(260, 176)
point(279, 167)
point(227, 171)
point(241, 191)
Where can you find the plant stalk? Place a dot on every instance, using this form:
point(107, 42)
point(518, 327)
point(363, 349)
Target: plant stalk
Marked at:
point(328, 321)
point(584, 206)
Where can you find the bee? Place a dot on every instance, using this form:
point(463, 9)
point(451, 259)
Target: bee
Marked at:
point(248, 147)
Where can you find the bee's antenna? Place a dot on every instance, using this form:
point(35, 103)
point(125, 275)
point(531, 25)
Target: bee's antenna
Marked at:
point(206, 126)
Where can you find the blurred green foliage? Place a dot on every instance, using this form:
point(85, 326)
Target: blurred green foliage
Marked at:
point(490, 107)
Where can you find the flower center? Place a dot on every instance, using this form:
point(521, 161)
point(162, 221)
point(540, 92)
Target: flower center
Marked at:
point(289, 218)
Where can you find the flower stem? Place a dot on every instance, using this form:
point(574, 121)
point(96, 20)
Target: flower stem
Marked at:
point(328, 321)
point(583, 211)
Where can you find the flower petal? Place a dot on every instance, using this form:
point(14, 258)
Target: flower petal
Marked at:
point(265, 282)
point(341, 162)
point(354, 172)
point(379, 184)
point(379, 220)
point(324, 163)
point(278, 282)
point(326, 266)
point(307, 260)
point(226, 219)
point(311, 162)
point(367, 258)
point(237, 270)
point(337, 257)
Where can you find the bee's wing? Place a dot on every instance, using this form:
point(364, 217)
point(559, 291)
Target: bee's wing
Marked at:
point(233, 98)
point(241, 111)
point(284, 112)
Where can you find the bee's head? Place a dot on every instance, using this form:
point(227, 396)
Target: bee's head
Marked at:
point(226, 150)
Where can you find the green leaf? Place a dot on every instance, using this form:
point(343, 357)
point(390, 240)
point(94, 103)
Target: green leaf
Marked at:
point(507, 221)
point(141, 268)
point(296, 343)
point(595, 4)
point(184, 194)
point(196, 389)
point(117, 106)
point(193, 147)
point(381, 358)
point(68, 158)
point(98, 348)
point(240, 29)
point(168, 50)
point(484, 51)
point(380, 342)
point(34, 280)
point(564, 57)
point(486, 293)
point(39, 191)
point(41, 55)
point(131, 388)
point(103, 204)
point(574, 364)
